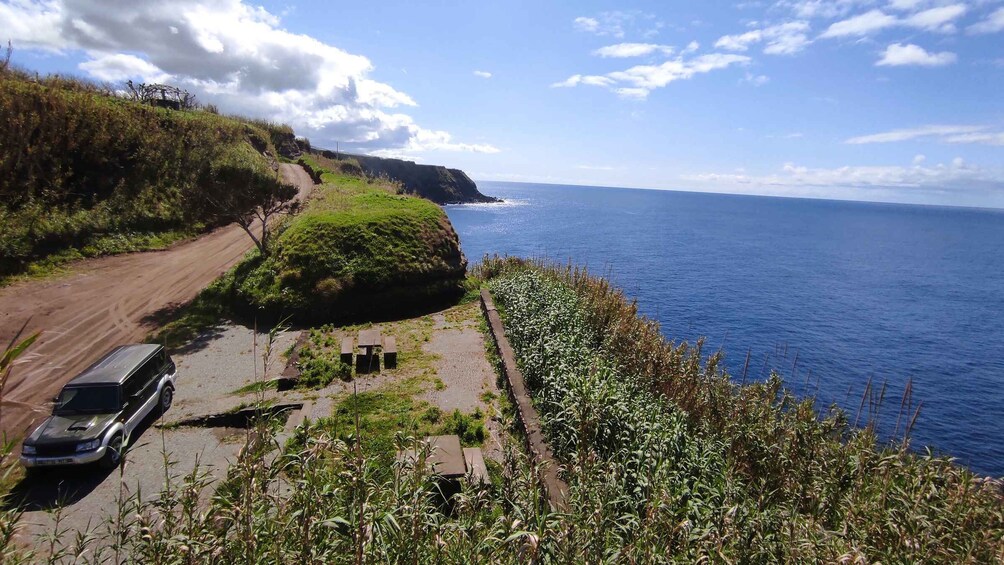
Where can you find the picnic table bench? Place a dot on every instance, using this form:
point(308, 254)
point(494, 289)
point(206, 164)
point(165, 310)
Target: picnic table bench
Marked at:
point(389, 352)
point(454, 466)
point(347, 350)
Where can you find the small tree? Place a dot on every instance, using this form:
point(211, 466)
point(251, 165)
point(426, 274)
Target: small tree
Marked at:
point(251, 199)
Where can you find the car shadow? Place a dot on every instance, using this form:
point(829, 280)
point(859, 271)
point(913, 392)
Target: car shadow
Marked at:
point(52, 487)
point(194, 335)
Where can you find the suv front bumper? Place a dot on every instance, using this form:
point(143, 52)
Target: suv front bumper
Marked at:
point(82, 458)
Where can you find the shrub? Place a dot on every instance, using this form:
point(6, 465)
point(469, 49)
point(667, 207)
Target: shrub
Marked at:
point(470, 428)
point(319, 372)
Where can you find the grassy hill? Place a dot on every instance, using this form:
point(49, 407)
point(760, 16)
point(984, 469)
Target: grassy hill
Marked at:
point(85, 172)
point(359, 249)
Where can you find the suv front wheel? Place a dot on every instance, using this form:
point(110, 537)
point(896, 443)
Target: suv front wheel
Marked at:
point(113, 453)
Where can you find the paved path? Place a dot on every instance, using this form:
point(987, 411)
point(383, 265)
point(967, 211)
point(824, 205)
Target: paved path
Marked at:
point(103, 303)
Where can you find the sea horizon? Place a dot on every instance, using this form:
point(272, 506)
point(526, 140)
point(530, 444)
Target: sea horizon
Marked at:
point(693, 191)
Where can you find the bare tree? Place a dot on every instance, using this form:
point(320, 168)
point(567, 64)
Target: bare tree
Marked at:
point(163, 95)
point(5, 60)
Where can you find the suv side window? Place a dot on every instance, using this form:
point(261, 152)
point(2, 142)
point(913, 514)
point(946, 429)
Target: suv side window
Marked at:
point(142, 378)
point(164, 362)
point(133, 385)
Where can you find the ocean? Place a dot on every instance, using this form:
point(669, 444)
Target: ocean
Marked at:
point(855, 291)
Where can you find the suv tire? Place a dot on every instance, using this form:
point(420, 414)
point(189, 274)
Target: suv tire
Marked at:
point(166, 398)
point(113, 453)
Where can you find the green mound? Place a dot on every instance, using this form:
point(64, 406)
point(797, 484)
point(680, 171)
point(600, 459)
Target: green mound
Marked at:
point(85, 172)
point(358, 250)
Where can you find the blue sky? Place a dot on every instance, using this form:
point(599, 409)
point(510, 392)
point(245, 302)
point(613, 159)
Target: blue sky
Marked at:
point(889, 100)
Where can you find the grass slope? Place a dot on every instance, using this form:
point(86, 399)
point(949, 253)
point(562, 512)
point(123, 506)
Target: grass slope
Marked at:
point(85, 173)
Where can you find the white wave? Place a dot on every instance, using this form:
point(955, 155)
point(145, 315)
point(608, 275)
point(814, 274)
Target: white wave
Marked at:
point(506, 203)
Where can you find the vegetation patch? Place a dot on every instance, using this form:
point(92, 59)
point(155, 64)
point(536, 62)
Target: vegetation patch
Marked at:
point(389, 411)
point(85, 172)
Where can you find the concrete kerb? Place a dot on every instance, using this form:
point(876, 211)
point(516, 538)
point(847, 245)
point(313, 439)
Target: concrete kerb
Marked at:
point(526, 415)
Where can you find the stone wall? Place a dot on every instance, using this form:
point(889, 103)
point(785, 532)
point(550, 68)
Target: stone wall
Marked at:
point(526, 415)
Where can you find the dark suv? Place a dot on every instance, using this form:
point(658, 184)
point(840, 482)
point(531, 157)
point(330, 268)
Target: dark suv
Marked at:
point(96, 412)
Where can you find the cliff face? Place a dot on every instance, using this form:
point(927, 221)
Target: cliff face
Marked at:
point(439, 184)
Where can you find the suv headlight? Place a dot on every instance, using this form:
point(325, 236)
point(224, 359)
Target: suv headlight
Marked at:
point(88, 445)
point(28, 449)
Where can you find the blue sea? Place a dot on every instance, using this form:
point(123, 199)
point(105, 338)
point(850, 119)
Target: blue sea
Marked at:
point(855, 291)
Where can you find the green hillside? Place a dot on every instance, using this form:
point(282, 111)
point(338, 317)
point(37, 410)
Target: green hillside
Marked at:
point(85, 172)
point(358, 249)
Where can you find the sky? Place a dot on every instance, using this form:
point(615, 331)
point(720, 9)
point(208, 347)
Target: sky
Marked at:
point(880, 100)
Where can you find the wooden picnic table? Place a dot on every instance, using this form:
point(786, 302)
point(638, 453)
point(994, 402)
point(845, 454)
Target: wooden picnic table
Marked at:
point(369, 360)
point(368, 339)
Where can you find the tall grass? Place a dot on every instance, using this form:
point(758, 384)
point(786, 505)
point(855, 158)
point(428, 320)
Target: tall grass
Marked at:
point(786, 482)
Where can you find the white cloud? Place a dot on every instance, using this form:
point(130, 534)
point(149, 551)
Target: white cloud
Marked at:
point(638, 81)
point(945, 133)
point(657, 76)
point(629, 93)
point(591, 80)
point(823, 9)
point(120, 67)
point(898, 55)
point(982, 138)
point(33, 26)
point(692, 47)
point(426, 140)
point(739, 42)
point(862, 24)
point(937, 19)
point(624, 50)
point(235, 55)
point(583, 23)
point(992, 24)
point(782, 39)
point(756, 80)
point(619, 23)
point(919, 159)
point(483, 74)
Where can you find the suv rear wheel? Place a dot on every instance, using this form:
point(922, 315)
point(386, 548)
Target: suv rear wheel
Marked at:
point(113, 453)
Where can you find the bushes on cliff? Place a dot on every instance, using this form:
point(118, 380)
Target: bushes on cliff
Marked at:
point(357, 250)
point(682, 459)
point(84, 172)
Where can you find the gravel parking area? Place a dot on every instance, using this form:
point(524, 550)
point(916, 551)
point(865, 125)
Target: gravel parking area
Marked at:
point(206, 379)
point(443, 352)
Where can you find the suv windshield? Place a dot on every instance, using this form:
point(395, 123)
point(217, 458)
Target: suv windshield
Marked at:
point(87, 399)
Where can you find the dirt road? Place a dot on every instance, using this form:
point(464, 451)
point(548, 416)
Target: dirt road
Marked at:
point(103, 303)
